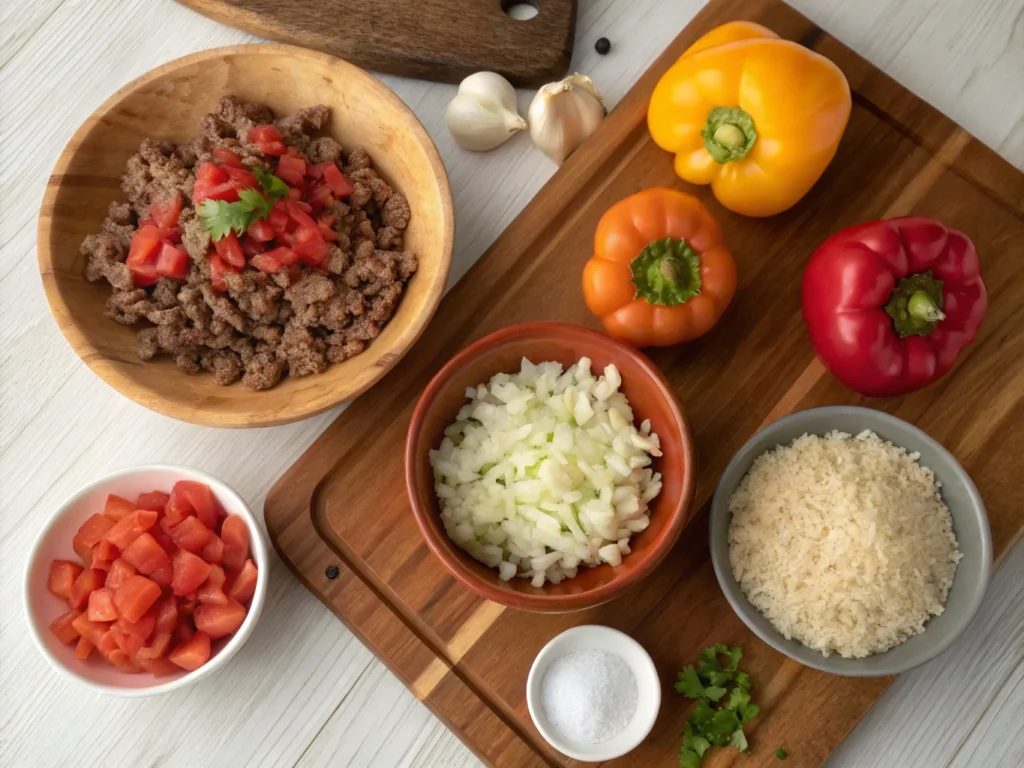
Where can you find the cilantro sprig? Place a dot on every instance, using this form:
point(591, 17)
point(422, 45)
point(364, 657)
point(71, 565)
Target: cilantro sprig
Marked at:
point(220, 217)
point(722, 692)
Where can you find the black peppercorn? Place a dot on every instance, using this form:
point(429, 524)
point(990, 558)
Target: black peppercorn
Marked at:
point(331, 572)
point(603, 45)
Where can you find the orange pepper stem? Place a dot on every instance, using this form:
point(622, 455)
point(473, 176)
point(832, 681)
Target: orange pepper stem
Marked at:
point(729, 134)
point(916, 305)
point(666, 272)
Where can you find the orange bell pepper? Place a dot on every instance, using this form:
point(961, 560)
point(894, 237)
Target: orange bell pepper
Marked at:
point(660, 273)
point(756, 117)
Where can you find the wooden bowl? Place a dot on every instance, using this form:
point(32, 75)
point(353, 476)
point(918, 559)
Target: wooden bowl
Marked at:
point(650, 396)
point(167, 103)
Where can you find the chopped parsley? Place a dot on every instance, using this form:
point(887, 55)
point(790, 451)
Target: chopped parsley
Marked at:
point(722, 693)
point(781, 754)
point(220, 217)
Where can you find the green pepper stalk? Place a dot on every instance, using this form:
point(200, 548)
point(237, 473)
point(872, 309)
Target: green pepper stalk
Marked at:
point(666, 272)
point(916, 305)
point(729, 134)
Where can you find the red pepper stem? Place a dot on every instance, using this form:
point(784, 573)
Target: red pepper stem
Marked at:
point(923, 308)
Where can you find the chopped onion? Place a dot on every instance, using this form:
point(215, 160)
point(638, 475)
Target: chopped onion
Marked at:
point(543, 471)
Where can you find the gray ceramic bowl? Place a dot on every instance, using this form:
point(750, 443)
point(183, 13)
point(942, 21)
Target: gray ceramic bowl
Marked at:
point(970, 524)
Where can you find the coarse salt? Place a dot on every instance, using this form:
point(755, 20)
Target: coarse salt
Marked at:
point(589, 696)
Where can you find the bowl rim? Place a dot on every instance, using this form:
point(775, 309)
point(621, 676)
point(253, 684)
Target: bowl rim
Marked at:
point(257, 543)
point(543, 603)
point(834, 664)
point(201, 413)
point(639, 654)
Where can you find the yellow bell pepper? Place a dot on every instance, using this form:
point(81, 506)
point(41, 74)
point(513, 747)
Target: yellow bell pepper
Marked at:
point(756, 117)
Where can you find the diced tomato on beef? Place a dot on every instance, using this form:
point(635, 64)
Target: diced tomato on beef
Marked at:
point(227, 158)
point(166, 209)
point(265, 263)
point(226, 191)
point(229, 250)
point(275, 148)
point(143, 253)
point(173, 262)
point(62, 577)
point(327, 233)
point(218, 268)
point(264, 133)
point(242, 178)
point(64, 627)
point(313, 253)
point(316, 170)
point(341, 186)
point(291, 169)
point(261, 230)
point(118, 507)
point(252, 247)
point(211, 173)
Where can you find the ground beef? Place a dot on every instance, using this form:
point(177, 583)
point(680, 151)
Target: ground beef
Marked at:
point(262, 326)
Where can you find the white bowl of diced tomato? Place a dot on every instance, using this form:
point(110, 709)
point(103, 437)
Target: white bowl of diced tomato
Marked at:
point(146, 580)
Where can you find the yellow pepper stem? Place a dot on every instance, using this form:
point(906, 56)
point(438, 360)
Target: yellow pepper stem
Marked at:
point(729, 134)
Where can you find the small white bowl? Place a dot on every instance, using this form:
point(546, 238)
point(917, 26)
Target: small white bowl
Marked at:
point(54, 542)
point(591, 637)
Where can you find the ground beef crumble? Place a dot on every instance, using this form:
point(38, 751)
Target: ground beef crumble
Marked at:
point(264, 326)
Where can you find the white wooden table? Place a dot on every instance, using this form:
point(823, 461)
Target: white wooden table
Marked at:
point(303, 691)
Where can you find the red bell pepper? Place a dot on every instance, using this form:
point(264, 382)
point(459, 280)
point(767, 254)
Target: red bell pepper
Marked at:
point(891, 304)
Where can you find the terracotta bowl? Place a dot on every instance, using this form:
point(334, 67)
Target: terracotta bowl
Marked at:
point(167, 103)
point(650, 396)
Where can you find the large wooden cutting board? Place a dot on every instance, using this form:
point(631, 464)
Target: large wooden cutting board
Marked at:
point(343, 504)
point(442, 40)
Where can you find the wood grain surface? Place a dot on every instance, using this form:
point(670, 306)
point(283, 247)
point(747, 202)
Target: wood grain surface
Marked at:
point(168, 103)
point(442, 40)
point(342, 504)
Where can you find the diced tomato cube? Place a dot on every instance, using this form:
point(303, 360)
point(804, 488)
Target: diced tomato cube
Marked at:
point(135, 596)
point(103, 555)
point(144, 246)
point(191, 534)
point(124, 662)
point(142, 628)
point(127, 642)
point(235, 534)
point(219, 268)
point(263, 133)
point(130, 528)
point(201, 499)
point(291, 169)
point(157, 647)
point(163, 576)
point(173, 262)
point(227, 192)
point(119, 572)
point(101, 606)
point(313, 253)
point(187, 603)
point(148, 222)
point(341, 186)
point(227, 157)
point(167, 614)
point(64, 627)
point(157, 667)
point(316, 170)
point(319, 195)
point(152, 500)
point(107, 643)
point(327, 219)
point(212, 173)
point(252, 247)
point(299, 213)
point(190, 572)
point(219, 620)
point(91, 531)
point(275, 148)
point(212, 591)
point(260, 230)
point(283, 256)
point(118, 508)
point(88, 580)
point(94, 630)
point(213, 552)
point(146, 554)
point(84, 648)
point(279, 218)
point(62, 577)
point(143, 275)
point(293, 152)
point(242, 178)
point(184, 631)
point(165, 209)
point(265, 263)
point(241, 586)
point(327, 233)
point(294, 193)
point(193, 653)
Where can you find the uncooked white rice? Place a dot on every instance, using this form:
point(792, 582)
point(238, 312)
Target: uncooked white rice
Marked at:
point(842, 542)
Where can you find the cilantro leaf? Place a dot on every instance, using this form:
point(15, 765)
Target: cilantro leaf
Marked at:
point(738, 740)
point(219, 217)
point(254, 202)
point(723, 723)
point(712, 672)
point(743, 680)
point(274, 188)
point(688, 758)
point(734, 654)
point(738, 699)
point(714, 692)
point(689, 684)
point(694, 741)
point(749, 712)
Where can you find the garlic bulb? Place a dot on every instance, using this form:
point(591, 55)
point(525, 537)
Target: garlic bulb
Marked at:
point(564, 114)
point(483, 113)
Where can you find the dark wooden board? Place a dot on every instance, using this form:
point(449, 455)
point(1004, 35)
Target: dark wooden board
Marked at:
point(442, 40)
point(343, 503)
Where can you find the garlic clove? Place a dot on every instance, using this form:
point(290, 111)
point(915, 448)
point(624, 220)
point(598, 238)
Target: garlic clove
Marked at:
point(564, 114)
point(483, 113)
